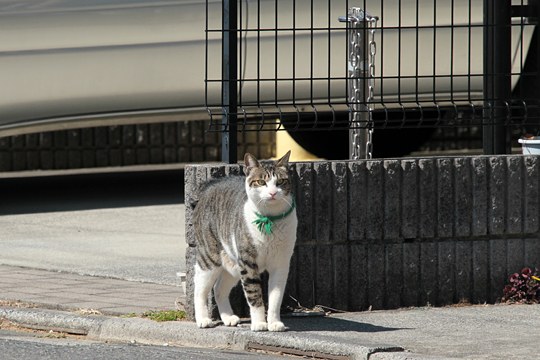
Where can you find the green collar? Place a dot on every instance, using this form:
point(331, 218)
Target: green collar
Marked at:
point(265, 223)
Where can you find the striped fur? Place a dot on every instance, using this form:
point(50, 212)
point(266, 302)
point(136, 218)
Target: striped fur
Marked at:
point(230, 248)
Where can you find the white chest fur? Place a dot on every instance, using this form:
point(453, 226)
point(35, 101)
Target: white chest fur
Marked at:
point(275, 249)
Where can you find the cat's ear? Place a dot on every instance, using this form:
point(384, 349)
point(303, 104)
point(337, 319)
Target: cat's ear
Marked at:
point(284, 161)
point(251, 162)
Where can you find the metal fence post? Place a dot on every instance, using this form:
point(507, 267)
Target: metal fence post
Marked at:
point(497, 70)
point(360, 64)
point(229, 87)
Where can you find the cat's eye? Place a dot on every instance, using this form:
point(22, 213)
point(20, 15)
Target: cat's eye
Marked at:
point(282, 182)
point(259, 182)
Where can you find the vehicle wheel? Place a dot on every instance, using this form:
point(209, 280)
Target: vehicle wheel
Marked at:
point(334, 144)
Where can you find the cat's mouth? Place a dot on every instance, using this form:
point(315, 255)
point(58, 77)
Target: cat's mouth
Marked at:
point(273, 199)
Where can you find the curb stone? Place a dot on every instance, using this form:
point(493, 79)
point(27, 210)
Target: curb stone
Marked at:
point(43, 319)
point(145, 331)
point(406, 356)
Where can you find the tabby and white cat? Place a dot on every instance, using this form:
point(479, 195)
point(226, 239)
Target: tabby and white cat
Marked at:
point(244, 226)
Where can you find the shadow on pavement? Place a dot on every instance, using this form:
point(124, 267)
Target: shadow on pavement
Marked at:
point(333, 324)
point(90, 191)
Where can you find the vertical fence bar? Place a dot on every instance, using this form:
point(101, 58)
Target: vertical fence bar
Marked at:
point(497, 79)
point(357, 84)
point(229, 86)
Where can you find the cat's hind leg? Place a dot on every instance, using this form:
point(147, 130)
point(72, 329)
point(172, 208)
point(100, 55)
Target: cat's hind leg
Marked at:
point(251, 283)
point(222, 289)
point(204, 280)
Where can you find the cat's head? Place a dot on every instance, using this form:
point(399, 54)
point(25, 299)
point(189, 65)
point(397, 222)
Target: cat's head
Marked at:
point(268, 183)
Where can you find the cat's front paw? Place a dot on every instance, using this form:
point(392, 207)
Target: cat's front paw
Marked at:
point(276, 326)
point(232, 320)
point(205, 323)
point(259, 326)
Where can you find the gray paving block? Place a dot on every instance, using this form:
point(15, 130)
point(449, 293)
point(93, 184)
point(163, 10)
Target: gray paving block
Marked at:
point(27, 276)
point(497, 267)
point(324, 275)
point(359, 277)
point(46, 139)
point(129, 157)
point(393, 275)
point(481, 282)
point(497, 195)
point(5, 161)
point(74, 160)
point(303, 176)
point(142, 156)
point(376, 276)
point(531, 196)
point(409, 199)
point(515, 195)
point(190, 266)
point(195, 177)
point(183, 132)
point(19, 160)
point(445, 198)
point(392, 199)
point(322, 202)
point(95, 305)
point(102, 158)
point(341, 277)
point(46, 159)
point(532, 252)
point(480, 196)
point(339, 206)
point(216, 171)
point(429, 273)
point(428, 198)
point(105, 308)
point(234, 170)
point(464, 270)
point(463, 197)
point(446, 272)
point(358, 203)
point(375, 200)
point(306, 278)
point(30, 288)
point(53, 300)
point(32, 159)
point(515, 255)
point(411, 274)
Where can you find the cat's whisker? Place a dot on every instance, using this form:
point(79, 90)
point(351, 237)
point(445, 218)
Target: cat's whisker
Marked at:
point(261, 201)
point(287, 201)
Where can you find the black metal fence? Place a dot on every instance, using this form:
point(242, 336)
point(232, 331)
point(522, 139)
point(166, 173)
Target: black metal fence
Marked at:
point(388, 64)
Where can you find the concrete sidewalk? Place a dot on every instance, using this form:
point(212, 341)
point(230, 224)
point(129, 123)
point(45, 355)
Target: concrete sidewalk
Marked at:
point(468, 332)
point(66, 291)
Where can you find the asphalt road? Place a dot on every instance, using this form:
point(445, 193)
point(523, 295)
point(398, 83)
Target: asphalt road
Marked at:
point(19, 345)
point(122, 225)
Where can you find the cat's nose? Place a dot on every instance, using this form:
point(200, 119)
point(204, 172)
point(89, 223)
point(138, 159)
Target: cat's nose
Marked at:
point(272, 194)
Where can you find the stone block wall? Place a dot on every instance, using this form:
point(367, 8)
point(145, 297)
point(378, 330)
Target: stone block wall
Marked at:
point(408, 232)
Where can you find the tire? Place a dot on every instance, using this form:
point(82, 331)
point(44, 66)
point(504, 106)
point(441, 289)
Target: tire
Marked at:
point(334, 144)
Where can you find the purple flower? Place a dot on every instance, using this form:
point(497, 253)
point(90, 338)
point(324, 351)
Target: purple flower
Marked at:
point(526, 272)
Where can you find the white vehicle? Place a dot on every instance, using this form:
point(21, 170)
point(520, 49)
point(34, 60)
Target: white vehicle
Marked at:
point(80, 63)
